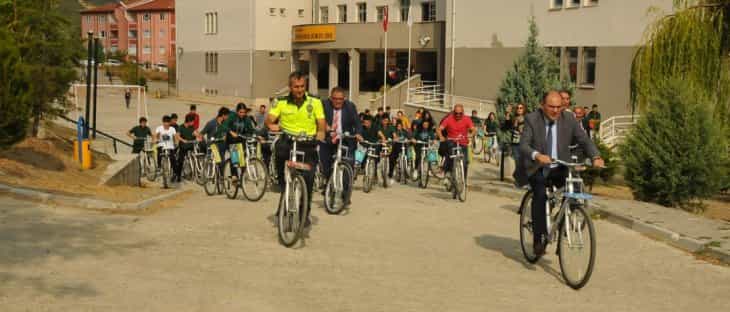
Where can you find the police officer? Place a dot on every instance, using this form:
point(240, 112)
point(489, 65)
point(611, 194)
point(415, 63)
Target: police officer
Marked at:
point(297, 113)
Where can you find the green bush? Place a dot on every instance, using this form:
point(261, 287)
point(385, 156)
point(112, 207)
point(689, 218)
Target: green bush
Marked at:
point(677, 154)
point(605, 174)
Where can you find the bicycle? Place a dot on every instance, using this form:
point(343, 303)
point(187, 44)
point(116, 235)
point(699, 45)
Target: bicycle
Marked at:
point(193, 164)
point(490, 148)
point(338, 189)
point(148, 159)
point(384, 164)
point(253, 182)
point(293, 203)
point(477, 144)
point(166, 166)
point(370, 170)
point(273, 137)
point(212, 169)
point(567, 224)
point(403, 167)
point(426, 159)
point(456, 178)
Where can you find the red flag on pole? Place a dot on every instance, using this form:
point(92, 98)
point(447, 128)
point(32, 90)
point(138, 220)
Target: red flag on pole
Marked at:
point(385, 19)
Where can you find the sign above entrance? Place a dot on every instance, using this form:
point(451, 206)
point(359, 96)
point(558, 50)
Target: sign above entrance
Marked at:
point(314, 33)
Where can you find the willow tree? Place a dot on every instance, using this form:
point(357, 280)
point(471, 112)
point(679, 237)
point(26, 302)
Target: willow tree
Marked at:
point(691, 44)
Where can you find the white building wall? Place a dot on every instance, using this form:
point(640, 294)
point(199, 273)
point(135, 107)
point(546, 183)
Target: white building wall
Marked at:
point(504, 23)
point(394, 7)
point(233, 25)
point(273, 30)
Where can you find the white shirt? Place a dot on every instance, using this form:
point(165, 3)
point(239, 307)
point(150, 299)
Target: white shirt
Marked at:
point(335, 112)
point(167, 137)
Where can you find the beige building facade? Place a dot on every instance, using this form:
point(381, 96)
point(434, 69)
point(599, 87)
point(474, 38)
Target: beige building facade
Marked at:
point(595, 40)
point(230, 50)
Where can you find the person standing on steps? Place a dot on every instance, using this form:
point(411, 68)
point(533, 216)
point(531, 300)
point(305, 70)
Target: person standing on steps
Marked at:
point(127, 96)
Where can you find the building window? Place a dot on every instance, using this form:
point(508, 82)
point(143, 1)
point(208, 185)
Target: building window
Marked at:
point(573, 3)
point(556, 4)
point(282, 12)
point(324, 15)
point(147, 33)
point(272, 11)
point(146, 17)
point(589, 67)
point(342, 12)
point(362, 12)
point(211, 62)
point(102, 34)
point(591, 2)
point(405, 9)
point(428, 11)
point(132, 34)
point(381, 12)
point(88, 19)
point(301, 12)
point(162, 50)
point(282, 55)
point(147, 50)
point(162, 16)
point(102, 19)
point(211, 23)
point(132, 49)
point(572, 55)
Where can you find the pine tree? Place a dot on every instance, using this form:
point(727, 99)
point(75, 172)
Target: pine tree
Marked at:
point(531, 75)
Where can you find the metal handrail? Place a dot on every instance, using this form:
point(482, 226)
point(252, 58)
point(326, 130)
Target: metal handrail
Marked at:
point(109, 136)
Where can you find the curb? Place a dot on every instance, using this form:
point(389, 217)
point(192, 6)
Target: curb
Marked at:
point(87, 203)
point(670, 237)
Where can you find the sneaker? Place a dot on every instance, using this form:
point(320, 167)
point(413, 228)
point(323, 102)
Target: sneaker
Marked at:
point(391, 181)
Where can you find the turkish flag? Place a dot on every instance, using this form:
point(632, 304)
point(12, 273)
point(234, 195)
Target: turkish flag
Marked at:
point(385, 19)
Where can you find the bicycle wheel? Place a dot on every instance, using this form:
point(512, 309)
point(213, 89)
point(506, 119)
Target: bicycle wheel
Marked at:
point(254, 179)
point(526, 236)
point(200, 170)
point(460, 180)
point(577, 259)
point(210, 174)
point(477, 144)
point(292, 212)
point(271, 171)
point(188, 169)
point(369, 178)
point(423, 173)
point(384, 167)
point(230, 187)
point(150, 167)
point(166, 171)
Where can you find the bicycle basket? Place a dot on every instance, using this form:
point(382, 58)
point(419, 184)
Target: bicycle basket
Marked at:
point(238, 155)
point(359, 156)
point(215, 153)
point(432, 156)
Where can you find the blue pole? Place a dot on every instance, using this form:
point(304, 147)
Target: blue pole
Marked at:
point(80, 127)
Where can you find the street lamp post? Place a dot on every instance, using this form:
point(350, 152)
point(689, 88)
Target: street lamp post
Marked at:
point(88, 83)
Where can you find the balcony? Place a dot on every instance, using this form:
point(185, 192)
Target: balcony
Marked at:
point(113, 27)
point(132, 25)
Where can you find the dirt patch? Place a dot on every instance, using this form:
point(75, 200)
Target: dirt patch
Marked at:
point(717, 207)
point(47, 165)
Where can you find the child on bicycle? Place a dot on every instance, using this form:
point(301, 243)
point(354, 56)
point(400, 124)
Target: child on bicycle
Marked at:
point(139, 134)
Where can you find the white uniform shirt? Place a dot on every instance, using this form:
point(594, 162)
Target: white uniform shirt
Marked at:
point(167, 137)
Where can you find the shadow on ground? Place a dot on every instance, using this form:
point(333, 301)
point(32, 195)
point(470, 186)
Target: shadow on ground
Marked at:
point(31, 235)
point(512, 250)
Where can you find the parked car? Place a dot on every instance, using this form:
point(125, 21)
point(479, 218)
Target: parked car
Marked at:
point(113, 62)
point(161, 67)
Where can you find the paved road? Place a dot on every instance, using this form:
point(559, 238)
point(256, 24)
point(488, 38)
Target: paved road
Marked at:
point(400, 250)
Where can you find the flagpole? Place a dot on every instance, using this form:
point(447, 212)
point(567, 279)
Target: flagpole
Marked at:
point(410, 34)
point(385, 73)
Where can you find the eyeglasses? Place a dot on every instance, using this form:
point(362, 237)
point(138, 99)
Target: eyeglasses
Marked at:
point(458, 114)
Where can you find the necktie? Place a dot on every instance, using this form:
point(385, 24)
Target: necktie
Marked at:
point(335, 125)
point(549, 142)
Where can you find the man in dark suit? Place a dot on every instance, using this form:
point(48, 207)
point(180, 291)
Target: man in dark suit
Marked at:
point(547, 135)
point(341, 116)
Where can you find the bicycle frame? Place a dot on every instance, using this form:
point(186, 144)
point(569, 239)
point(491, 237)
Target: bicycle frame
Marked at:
point(293, 164)
point(571, 193)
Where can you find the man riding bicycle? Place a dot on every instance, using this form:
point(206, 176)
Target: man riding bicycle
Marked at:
point(547, 135)
point(139, 134)
point(459, 130)
point(341, 117)
point(297, 113)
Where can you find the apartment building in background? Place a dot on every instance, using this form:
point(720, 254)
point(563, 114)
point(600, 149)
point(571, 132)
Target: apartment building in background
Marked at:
point(245, 49)
point(230, 50)
point(145, 29)
point(595, 41)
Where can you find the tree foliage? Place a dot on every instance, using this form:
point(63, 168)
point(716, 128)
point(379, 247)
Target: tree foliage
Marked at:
point(42, 52)
point(691, 44)
point(536, 71)
point(677, 153)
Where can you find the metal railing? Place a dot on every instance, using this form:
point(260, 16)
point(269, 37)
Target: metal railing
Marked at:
point(613, 130)
point(397, 95)
point(114, 139)
point(432, 97)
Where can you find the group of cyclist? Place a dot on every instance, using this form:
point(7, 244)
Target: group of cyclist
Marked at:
point(325, 123)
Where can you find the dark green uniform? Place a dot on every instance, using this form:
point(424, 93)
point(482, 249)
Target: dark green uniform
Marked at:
point(370, 134)
point(139, 133)
point(241, 126)
point(388, 132)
